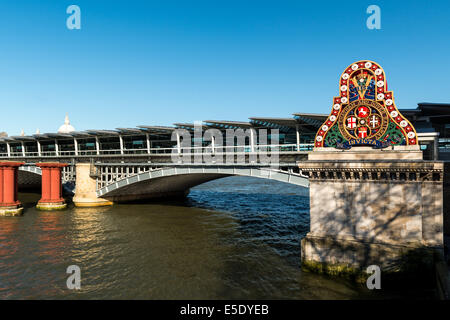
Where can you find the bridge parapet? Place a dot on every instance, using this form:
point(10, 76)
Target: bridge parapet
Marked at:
point(67, 173)
point(105, 183)
point(158, 153)
point(119, 175)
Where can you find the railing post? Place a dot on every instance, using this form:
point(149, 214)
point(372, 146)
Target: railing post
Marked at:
point(178, 141)
point(121, 143)
point(97, 145)
point(39, 147)
point(252, 140)
point(75, 143)
point(147, 138)
point(56, 148)
point(297, 134)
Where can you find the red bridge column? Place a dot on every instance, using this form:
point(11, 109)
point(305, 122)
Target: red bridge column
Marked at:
point(51, 186)
point(9, 205)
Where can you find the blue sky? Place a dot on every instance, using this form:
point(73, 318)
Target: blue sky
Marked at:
point(160, 62)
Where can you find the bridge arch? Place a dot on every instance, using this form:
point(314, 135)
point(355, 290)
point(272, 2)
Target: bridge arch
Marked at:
point(31, 169)
point(173, 181)
point(29, 177)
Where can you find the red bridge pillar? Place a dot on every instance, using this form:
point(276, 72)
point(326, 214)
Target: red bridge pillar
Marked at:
point(51, 186)
point(9, 205)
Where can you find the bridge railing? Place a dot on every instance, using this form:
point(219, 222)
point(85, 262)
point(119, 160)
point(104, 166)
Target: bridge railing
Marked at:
point(110, 173)
point(161, 151)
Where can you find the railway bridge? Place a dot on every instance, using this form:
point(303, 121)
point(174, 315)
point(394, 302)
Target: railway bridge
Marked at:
point(121, 181)
point(376, 196)
point(156, 168)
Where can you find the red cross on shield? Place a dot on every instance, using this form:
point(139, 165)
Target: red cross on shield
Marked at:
point(351, 122)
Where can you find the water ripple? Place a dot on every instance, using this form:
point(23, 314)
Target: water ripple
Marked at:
point(231, 238)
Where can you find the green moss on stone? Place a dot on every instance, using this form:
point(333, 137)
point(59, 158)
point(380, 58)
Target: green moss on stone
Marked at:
point(415, 266)
point(335, 270)
point(45, 207)
point(11, 212)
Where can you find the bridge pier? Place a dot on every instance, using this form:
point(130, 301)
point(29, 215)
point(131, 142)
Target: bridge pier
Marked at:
point(86, 187)
point(373, 199)
point(9, 205)
point(386, 212)
point(51, 198)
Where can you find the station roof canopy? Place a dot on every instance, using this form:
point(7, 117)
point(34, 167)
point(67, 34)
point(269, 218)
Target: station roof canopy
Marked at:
point(22, 138)
point(10, 139)
point(307, 123)
point(57, 135)
point(157, 129)
point(428, 110)
point(284, 124)
point(314, 119)
point(103, 132)
point(130, 130)
point(224, 124)
point(80, 134)
point(188, 126)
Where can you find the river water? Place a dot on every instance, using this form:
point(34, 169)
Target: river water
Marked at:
point(232, 238)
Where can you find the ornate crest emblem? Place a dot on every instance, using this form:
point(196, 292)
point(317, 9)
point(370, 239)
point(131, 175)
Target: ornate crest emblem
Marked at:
point(365, 112)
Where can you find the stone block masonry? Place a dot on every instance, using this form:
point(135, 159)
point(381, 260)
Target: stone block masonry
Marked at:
point(367, 212)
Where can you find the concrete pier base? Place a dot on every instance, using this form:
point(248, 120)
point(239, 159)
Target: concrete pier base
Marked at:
point(11, 211)
point(351, 257)
point(372, 212)
point(50, 206)
point(85, 189)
